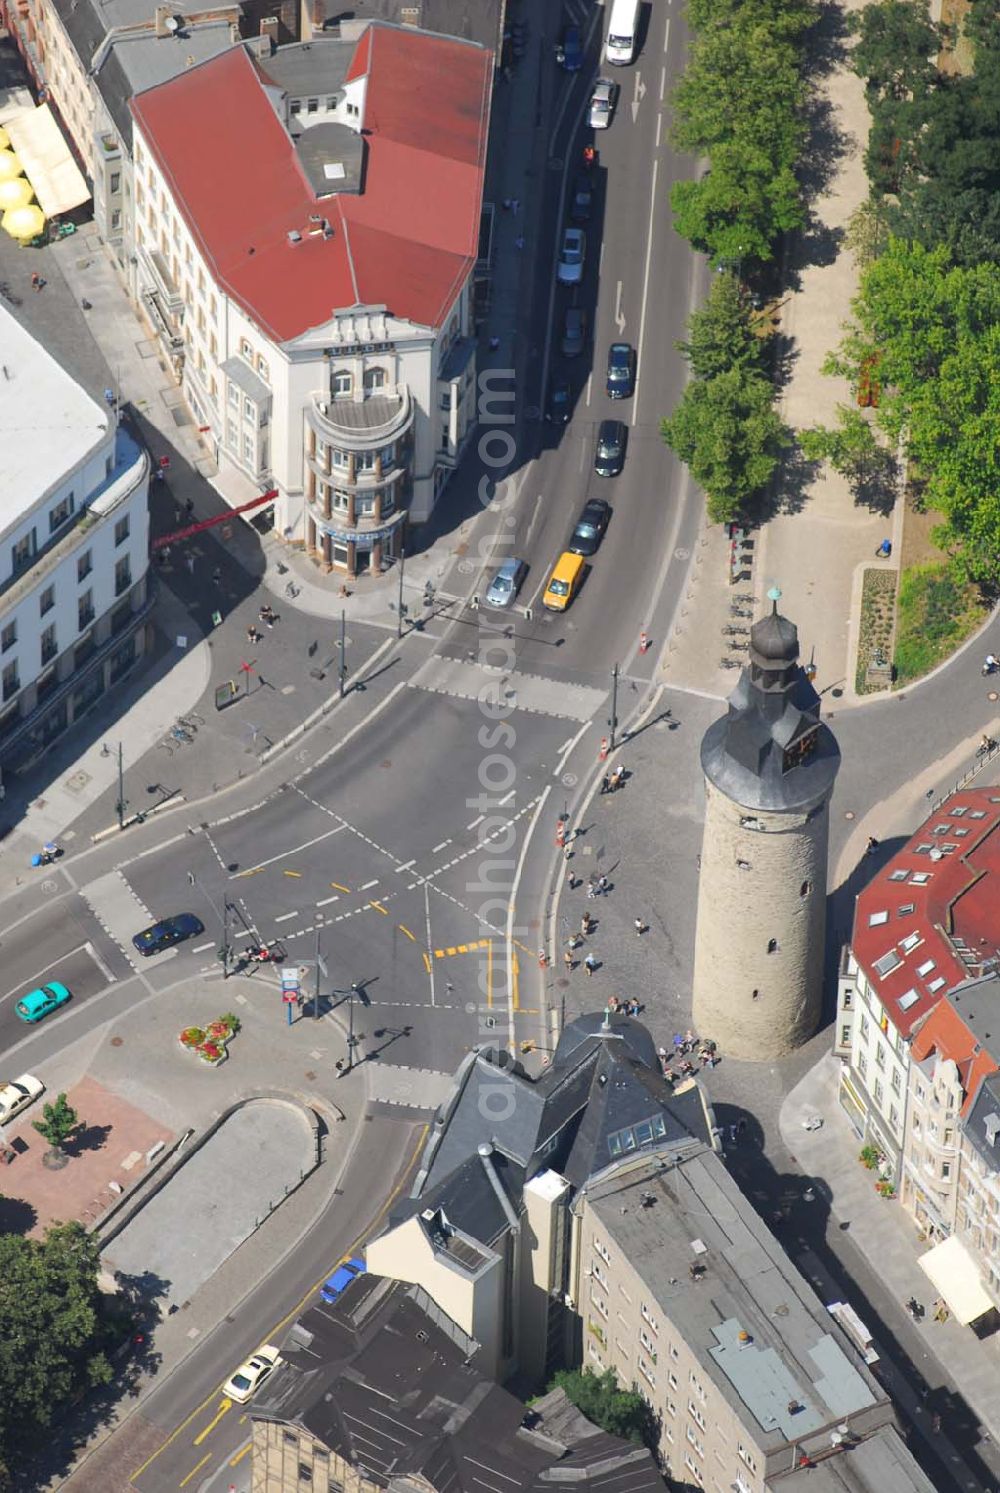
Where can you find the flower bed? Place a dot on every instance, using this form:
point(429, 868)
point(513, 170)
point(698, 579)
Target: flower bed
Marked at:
point(211, 1042)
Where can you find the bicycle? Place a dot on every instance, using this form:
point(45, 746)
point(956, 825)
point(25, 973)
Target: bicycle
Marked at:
point(736, 632)
point(291, 589)
point(179, 734)
point(730, 663)
point(187, 723)
point(192, 715)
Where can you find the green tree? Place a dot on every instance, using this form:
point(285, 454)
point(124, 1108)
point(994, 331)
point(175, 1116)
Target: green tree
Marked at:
point(729, 434)
point(601, 1399)
point(740, 207)
point(722, 333)
point(60, 1122)
point(867, 232)
point(50, 1344)
point(850, 446)
point(896, 49)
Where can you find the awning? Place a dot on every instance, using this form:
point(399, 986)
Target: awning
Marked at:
point(952, 1272)
point(46, 160)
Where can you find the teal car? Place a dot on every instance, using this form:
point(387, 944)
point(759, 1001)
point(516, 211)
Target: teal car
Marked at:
point(38, 1003)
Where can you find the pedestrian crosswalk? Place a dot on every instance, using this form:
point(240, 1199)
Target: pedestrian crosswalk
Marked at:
point(416, 1088)
point(120, 912)
point(532, 692)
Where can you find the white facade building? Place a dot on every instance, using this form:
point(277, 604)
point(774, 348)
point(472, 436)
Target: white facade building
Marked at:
point(74, 546)
point(306, 257)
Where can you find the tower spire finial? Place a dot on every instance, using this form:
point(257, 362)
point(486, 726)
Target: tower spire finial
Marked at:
point(774, 596)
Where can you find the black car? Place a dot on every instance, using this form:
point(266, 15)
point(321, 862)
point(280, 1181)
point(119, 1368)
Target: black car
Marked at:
point(581, 202)
point(609, 456)
point(558, 407)
point(621, 370)
point(164, 935)
point(569, 52)
point(590, 527)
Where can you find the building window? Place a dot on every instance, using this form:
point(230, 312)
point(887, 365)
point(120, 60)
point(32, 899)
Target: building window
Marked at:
point(845, 1034)
point(46, 600)
point(374, 380)
point(249, 409)
point(246, 351)
point(11, 681)
point(312, 106)
point(880, 1055)
point(60, 513)
point(248, 449)
point(263, 370)
point(879, 1091)
point(949, 1136)
point(863, 1064)
point(8, 637)
point(897, 1081)
point(342, 382)
point(946, 1169)
point(123, 575)
point(747, 1458)
point(364, 461)
point(121, 530)
point(234, 396)
point(340, 459)
point(22, 551)
point(85, 610)
point(295, 108)
point(49, 645)
point(772, 946)
point(805, 889)
point(116, 182)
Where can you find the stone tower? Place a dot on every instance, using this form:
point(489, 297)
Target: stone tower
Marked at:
point(770, 765)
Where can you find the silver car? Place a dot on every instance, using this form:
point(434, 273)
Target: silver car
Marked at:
point(571, 256)
point(602, 104)
point(506, 583)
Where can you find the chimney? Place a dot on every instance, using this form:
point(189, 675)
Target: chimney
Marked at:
point(161, 16)
point(269, 28)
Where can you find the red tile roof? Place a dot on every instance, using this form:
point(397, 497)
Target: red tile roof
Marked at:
point(407, 241)
point(945, 1033)
point(910, 934)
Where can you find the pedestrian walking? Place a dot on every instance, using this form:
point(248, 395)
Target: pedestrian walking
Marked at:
point(189, 506)
point(639, 926)
point(591, 886)
point(872, 845)
point(217, 576)
point(515, 206)
point(508, 203)
point(189, 562)
point(602, 884)
point(494, 344)
point(519, 241)
point(617, 778)
point(590, 963)
point(585, 925)
point(606, 783)
point(568, 960)
point(570, 879)
point(36, 280)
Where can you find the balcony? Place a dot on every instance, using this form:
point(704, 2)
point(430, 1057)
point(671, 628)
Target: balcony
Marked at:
point(362, 424)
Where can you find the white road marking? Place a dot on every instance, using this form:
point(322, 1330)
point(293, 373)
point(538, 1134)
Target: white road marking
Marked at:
point(327, 900)
point(100, 963)
point(645, 283)
point(37, 978)
point(666, 35)
point(590, 384)
point(430, 945)
point(201, 947)
point(619, 313)
point(402, 868)
point(659, 127)
point(505, 801)
point(285, 854)
point(570, 746)
point(438, 847)
point(476, 821)
point(368, 885)
point(286, 915)
point(663, 83)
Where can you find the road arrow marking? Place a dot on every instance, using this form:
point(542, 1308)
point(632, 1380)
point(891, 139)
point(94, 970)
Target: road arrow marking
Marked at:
point(619, 313)
point(224, 1404)
point(640, 94)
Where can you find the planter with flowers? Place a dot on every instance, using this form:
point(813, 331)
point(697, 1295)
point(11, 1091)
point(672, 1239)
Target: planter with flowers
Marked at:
point(211, 1042)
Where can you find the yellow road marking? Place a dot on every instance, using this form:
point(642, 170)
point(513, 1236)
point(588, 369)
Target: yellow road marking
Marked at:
point(449, 952)
point(254, 871)
point(427, 964)
point(338, 887)
point(225, 1405)
point(279, 1326)
point(241, 1454)
point(379, 908)
point(296, 874)
point(463, 948)
point(489, 973)
point(206, 1458)
point(518, 945)
point(486, 943)
point(515, 970)
point(404, 929)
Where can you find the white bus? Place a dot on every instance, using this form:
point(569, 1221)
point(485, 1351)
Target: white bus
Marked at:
point(622, 31)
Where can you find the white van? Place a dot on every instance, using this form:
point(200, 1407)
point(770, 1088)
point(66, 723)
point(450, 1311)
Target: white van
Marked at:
point(622, 31)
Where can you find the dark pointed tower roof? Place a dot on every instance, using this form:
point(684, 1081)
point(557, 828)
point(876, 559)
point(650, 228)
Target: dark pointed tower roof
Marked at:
point(771, 750)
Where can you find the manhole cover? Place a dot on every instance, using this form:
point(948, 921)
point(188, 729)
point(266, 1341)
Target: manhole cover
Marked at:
point(682, 554)
point(569, 779)
point(77, 781)
point(466, 567)
point(50, 886)
point(849, 814)
point(310, 1077)
point(117, 1041)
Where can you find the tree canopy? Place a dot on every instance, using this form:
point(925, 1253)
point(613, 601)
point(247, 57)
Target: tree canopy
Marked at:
point(601, 1399)
point(50, 1340)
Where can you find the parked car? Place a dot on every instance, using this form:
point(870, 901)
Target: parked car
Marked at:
point(245, 1382)
point(505, 585)
point(17, 1095)
point(571, 256)
point(609, 455)
point(341, 1278)
point(569, 51)
point(165, 934)
point(581, 202)
point(602, 104)
point(621, 370)
point(574, 332)
point(590, 527)
point(40, 1002)
point(557, 407)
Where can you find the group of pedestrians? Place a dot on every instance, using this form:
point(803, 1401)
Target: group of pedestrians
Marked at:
point(612, 781)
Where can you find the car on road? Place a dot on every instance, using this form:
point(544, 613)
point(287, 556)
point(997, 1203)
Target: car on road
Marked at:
point(609, 455)
point(245, 1382)
point(569, 51)
point(602, 104)
point(165, 934)
point(17, 1095)
point(564, 582)
point(590, 526)
point(572, 253)
point(38, 1003)
point(505, 585)
point(557, 407)
point(581, 202)
point(574, 332)
point(341, 1278)
point(621, 370)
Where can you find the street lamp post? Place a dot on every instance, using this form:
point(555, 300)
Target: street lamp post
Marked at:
point(122, 804)
point(399, 607)
point(355, 993)
point(613, 722)
point(343, 652)
point(224, 949)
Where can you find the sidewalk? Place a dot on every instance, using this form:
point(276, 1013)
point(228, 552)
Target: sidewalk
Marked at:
point(884, 1234)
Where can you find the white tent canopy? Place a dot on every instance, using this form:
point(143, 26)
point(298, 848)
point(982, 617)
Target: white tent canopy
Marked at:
point(952, 1272)
point(45, 159)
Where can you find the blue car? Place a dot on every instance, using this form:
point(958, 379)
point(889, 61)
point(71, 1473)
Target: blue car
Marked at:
point(341, 1278)
point(569, 52)
point(165, 934)
point(38, 1003)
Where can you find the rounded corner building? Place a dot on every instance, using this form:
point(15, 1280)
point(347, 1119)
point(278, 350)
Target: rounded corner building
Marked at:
point(770, 764)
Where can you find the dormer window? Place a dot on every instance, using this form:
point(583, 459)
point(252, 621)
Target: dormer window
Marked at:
point(375, 379)
point(342, 383)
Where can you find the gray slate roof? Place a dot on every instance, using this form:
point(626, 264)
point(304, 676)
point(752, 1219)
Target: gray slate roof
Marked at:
point(982, 1122)
point(471, 20)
